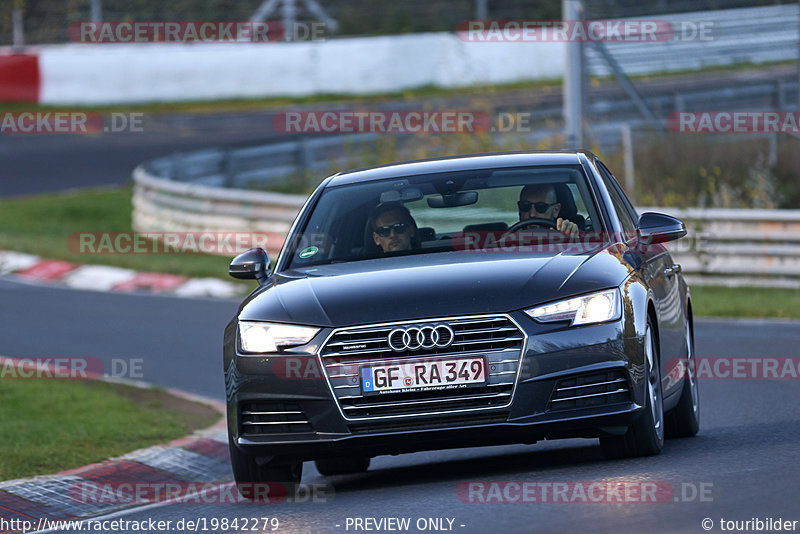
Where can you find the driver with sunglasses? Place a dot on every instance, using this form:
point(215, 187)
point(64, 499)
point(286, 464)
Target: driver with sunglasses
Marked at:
point(539, 201)
point(393, 227)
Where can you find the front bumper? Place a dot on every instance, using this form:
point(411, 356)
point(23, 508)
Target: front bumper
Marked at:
point(550, 355)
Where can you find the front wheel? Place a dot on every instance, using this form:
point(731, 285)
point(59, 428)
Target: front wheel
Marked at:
point(646, 436)
point(264, 483)
point(684, 420)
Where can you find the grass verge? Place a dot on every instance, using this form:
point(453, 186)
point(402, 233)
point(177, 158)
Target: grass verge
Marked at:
point(41, 225)
point(713, 301)
point(53, 425)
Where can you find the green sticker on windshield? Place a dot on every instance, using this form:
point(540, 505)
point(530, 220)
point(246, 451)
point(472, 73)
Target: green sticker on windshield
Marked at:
point(308, 252)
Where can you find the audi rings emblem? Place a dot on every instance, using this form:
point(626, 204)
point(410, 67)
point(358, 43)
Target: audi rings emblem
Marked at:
point(420, 337)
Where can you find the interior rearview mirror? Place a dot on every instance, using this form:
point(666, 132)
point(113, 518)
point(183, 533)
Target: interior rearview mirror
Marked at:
point(408, 194)
point(462, 198)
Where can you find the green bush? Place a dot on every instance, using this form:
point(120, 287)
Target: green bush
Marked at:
point(712, 171)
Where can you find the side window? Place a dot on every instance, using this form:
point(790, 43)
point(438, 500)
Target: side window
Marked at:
point(620, 207)
point(580, 205)
point(573, 188)
point(625, 200)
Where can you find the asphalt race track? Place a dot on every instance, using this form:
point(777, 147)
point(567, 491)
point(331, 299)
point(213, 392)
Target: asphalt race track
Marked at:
point(741, 466)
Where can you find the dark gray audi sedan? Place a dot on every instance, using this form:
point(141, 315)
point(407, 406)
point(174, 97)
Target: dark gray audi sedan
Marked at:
point(457, 302)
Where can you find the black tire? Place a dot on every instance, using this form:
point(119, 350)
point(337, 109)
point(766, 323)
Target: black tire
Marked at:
point(683, 421)
point(342, 466)
point(263, 482)
point(645, 437)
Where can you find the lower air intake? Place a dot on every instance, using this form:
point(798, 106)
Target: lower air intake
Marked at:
point(269, 418)
point(591, 389)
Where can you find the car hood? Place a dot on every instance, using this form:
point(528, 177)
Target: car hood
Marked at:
point(448, 284)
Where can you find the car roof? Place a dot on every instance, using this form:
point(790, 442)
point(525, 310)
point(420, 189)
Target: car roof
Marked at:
point(459, 163)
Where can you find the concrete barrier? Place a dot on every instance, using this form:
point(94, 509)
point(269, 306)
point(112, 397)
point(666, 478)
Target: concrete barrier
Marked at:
point(92, 74)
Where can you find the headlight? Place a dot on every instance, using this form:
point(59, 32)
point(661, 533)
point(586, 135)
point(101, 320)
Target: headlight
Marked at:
point(269, 337)
point(588, 309)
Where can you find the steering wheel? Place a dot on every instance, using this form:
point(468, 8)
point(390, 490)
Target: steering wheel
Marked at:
point(531, 222)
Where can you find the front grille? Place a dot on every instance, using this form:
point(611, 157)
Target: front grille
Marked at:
point(266, 418)
point(591, 389)
point(495, 338)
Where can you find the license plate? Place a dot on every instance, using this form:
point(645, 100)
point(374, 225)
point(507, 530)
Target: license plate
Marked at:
point(423, 376)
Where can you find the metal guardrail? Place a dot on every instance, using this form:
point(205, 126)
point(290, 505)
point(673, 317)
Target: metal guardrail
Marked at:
point(264, 166)
point(161, 204)
point(758, 34)
point(723, 246)
point(258, 167)
point(738, 247)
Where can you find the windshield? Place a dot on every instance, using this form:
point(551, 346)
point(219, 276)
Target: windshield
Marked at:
point(443, 212)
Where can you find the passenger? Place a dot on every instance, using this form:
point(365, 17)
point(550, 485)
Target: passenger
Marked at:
point(539, 201)
point(393, 227)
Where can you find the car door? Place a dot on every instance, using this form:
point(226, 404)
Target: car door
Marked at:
point(658, 274)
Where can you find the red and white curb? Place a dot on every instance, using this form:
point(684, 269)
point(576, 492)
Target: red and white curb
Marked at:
point(116, 279)
point(199, 460)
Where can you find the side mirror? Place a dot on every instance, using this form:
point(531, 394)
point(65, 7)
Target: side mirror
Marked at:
point(659, 228)
point(250, 265)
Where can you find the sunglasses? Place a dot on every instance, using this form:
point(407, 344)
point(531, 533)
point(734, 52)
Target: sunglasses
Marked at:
point(541, 207)
point(385, 231)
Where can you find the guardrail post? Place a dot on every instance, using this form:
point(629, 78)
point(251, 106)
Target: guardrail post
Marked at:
point(172, 169)
point(18, 28)
point(573, 81)
point(773, 149)
point(481, 9)
point(305, 154)
point(180, 171)
point(627, 148)
point(678, 102)
point(228, 168)
point(96, 10)
point(780, 95)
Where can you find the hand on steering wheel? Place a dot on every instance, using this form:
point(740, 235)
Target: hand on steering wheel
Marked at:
point(535, 221)
point(562, 225)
